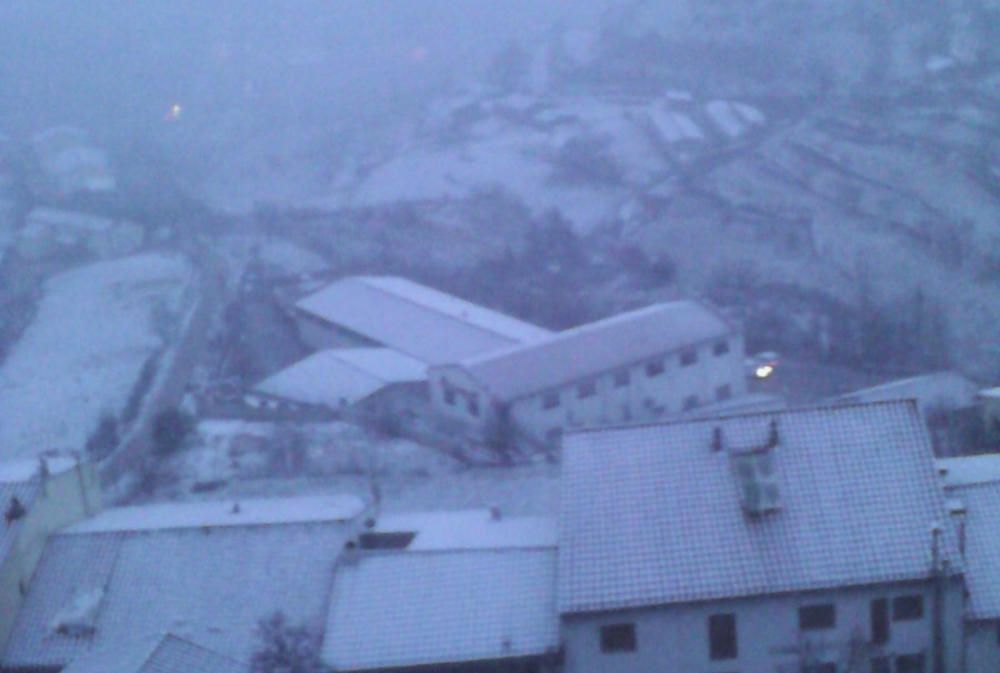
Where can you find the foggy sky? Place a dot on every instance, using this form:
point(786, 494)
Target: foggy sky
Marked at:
point(117, 66)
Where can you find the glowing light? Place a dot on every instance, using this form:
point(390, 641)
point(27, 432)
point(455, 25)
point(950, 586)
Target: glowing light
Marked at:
point(175, 112)
point(763, 371)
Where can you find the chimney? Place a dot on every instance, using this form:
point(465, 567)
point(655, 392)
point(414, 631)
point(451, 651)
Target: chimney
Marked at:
point(235, 509)
point(495, 513)
point(717, 438)
point(772, 434)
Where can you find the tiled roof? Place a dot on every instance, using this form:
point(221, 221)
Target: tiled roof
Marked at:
point(982, 547)
point(166, 654)
point(208, 584)
point(652, 514)
point(426, 324)
point(342, 375)
point(595, 348)
point(414, 608)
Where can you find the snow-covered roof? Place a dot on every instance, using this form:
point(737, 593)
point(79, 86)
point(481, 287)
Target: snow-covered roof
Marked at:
point(214, 513)
point(968, 470)
point(426, 324)
point(652, 515)
point(982, 547)
point(156, 654)
point(595, 348)
point(991, 393)
point(946, 387)
point(469, 529)
point(211, 585)
point(468, 588)
point(342, 376)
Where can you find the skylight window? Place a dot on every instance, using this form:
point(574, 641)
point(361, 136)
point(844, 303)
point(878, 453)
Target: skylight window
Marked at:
point(756, 478)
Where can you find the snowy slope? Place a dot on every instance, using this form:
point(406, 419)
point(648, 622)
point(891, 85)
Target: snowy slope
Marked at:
point(84, 351)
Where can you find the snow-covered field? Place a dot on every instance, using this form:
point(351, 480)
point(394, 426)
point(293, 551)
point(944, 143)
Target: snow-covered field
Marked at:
point(95, 327)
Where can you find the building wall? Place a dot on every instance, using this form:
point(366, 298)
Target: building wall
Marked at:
point(982, 646)
point(319, 334)
point(768, 635)
point(65, 499)
point(645, 397)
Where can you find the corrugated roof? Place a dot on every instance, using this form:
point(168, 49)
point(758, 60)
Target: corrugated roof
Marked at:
point(161, 654)
point(209, 585)
point(426, 324)
point(401, 609)
point(652, 514)
point(347, 375)
point(982, 547)
point(595, 348)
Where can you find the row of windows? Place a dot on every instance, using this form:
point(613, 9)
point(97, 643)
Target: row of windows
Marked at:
point(551, 400)
point(623, 377)
point(723, 642)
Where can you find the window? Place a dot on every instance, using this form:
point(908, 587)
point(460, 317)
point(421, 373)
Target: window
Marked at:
point(723, 393)
point(722, 636)
point(690, 402)
point(816, 617)
point(910, 663)
point(688, 357)
point(880, 621)
point(654, 368)
point(622, 378)
point(720, 347)
point(473, 404)
point(618, 638)
point(881, 665)
point(586, 389)
point(905, 608)
point(550, 400)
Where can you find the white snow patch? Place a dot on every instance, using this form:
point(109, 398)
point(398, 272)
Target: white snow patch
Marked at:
point(84, 351)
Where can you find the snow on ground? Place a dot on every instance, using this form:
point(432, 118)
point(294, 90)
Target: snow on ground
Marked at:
point(83, 353)
point(235, 459)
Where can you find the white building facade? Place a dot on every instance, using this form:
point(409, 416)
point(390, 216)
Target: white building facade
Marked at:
point(654, 363)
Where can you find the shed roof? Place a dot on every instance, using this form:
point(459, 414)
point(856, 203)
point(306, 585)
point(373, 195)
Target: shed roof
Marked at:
point(158, 654)
point(651, 514)
point(342, 376)
point(469, 587)
point(595, 348)
point(424, 323)
point(207, 581)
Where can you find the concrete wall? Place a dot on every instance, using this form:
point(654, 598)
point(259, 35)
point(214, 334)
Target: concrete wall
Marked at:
point(319, 334)
point(64, 499)
point(982, 646)
point(768, 636)
point(643, 398)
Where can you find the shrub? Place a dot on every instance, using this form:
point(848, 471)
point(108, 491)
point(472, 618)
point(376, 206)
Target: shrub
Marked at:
point(285, 649)
point(170, 428)
point(105, 438)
